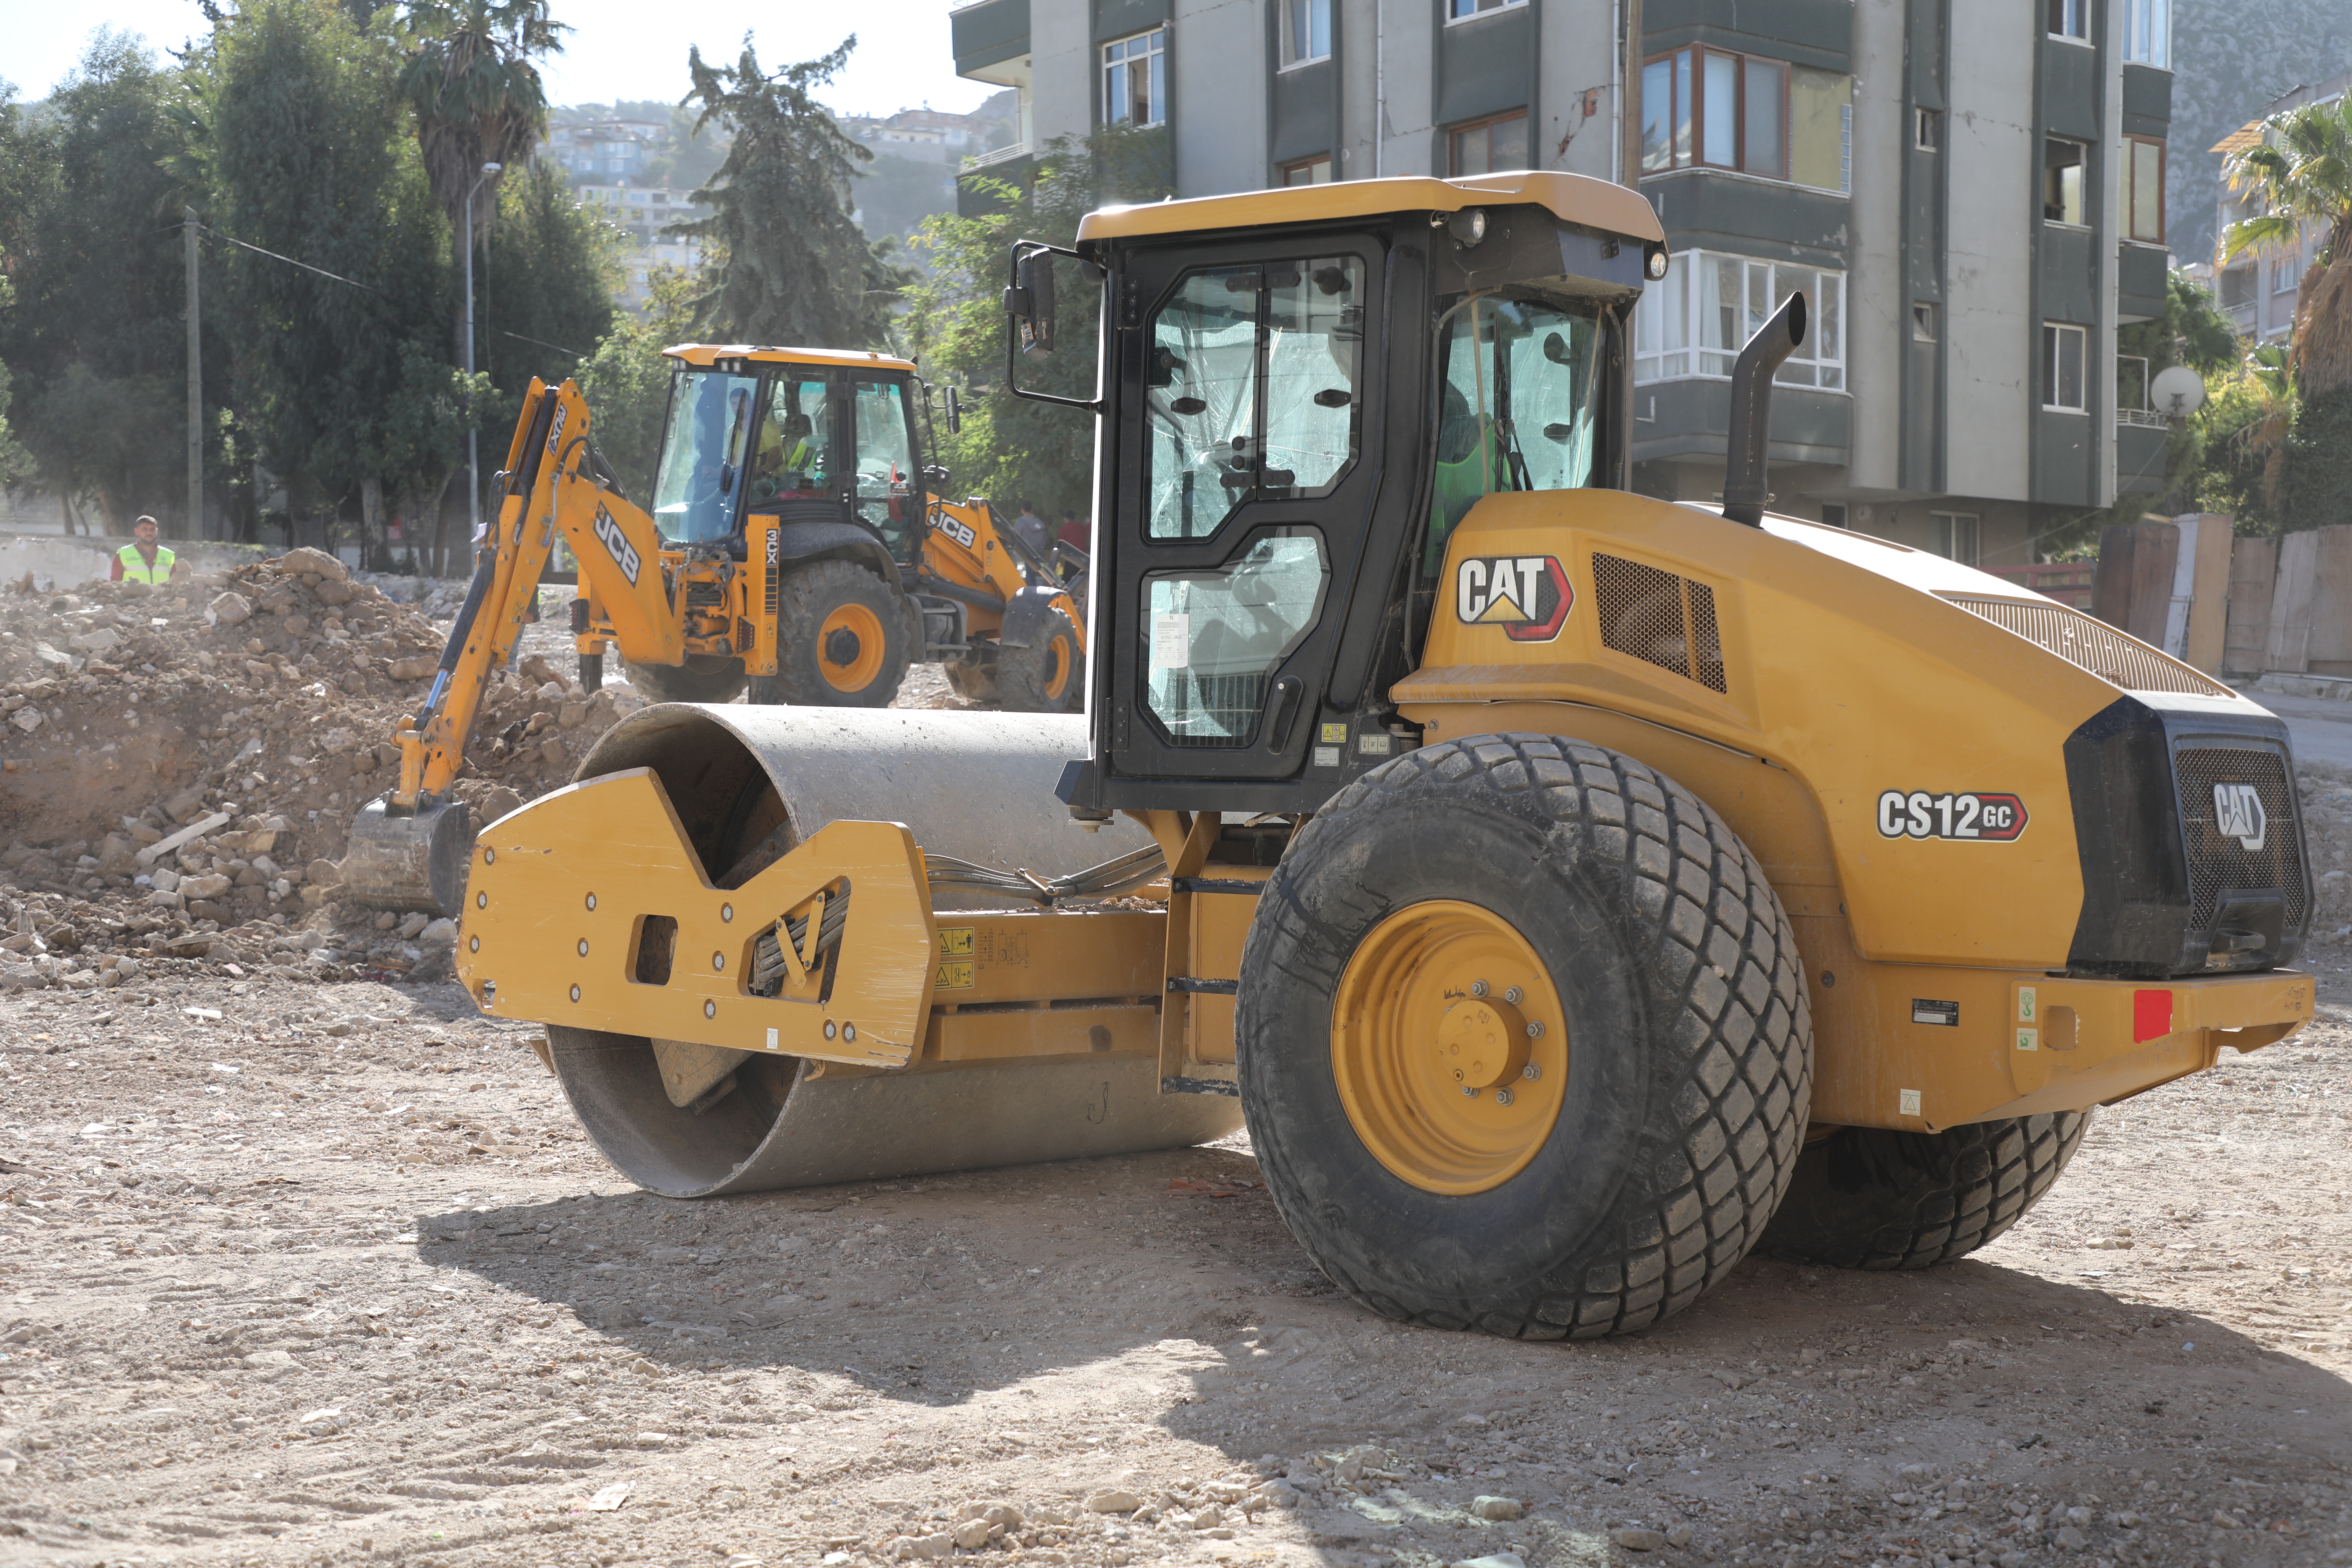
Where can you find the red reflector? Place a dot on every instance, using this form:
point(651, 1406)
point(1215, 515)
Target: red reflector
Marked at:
point(2151, 1014)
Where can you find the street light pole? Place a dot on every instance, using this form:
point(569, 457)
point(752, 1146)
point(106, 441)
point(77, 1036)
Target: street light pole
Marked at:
point(473, 443)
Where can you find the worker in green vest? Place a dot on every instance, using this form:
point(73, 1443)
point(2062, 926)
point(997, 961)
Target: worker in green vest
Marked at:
point(144, 561)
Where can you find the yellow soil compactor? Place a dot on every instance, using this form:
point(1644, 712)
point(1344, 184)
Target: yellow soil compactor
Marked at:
point(799, 543)
point(1569, 890)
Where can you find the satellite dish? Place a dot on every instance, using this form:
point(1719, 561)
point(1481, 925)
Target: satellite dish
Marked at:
point(2175, 393)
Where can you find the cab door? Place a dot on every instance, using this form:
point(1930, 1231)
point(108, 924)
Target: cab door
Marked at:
point(885, 490)
point(798, 470)
point(1247, 387)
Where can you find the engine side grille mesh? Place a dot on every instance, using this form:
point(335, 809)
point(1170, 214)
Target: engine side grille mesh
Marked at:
point(2219, 863)
point(1660, 618)
point(2093, 646)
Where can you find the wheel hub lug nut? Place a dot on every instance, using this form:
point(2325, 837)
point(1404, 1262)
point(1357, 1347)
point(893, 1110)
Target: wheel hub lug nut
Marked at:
point(1502, 1096)
point(1535, 1028)
point(1477, 988)
point(1468, 1093)
point(1532, 1072)
point(1513, 995)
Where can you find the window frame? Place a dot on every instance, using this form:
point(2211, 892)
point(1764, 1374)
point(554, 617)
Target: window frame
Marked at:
point(2148, 33)
point(1689, 268)
point(2053, 333)
point(1286, 35)
point(1948, 524)
point(2061, 12)
point(1926, 128)
point(1479, 10)
point(2289, 262)
point(2081, 185)
point(1685, 71)
point(1923, 322)
point(1487, 124)
point(2132, 145)
point(1156, 55)
point(1282, 170)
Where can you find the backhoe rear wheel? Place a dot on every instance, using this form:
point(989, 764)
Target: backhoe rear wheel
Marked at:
point(703, 677)
point(1523, 1040)
point(841, 638)
point(1870, 1197)
point(1045, 676)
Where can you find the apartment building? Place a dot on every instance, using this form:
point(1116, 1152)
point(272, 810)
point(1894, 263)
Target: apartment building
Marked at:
point(640, 214)
point(616, 150)
point(2258, 288)
point(1970, 191)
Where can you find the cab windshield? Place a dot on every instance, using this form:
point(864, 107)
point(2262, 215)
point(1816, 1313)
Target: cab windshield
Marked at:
point(1518, 403)
point(699, 484)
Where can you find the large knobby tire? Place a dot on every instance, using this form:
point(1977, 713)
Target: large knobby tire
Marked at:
point(1868, 1198)
point(703, 677)
point(841, 638)
point(1672, 1074)
point(1048, 676)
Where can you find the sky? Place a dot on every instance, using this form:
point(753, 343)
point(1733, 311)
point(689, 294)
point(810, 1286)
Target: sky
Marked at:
point(619, 48)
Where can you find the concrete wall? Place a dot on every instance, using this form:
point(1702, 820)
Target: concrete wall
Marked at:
point(1992, 155)
point(1218, 88)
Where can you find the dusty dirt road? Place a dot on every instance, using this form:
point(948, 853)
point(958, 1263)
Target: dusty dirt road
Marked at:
point(330, 1277)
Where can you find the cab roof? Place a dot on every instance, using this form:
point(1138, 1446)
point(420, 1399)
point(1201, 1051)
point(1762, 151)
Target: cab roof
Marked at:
point(1573, 198)
point(703, 356)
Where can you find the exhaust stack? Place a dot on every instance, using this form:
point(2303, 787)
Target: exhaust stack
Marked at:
point(1744, 489)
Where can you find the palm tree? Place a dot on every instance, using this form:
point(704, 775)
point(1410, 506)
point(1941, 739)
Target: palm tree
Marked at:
point(477, 96)
point(2269, 377)
point(2302, 168)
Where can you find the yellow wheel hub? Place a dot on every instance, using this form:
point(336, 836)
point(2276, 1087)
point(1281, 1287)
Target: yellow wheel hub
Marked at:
point(1449, 1048)
point(1057, 667)
point(849, 648)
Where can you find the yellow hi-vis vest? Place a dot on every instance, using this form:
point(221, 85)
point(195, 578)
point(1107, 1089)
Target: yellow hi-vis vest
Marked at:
point(136, 570)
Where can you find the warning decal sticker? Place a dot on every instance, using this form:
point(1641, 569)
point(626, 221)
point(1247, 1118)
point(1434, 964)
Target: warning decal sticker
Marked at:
point(1527, 595)
point(1969, 815)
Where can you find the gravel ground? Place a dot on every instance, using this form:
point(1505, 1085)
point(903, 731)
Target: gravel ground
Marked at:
point(294, 1274)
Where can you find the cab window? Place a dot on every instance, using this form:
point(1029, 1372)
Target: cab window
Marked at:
point(1213, 638)
point(1518, 408)
point(701, 477)
point(885, 501)
point(796, 460)
point(1252, 390)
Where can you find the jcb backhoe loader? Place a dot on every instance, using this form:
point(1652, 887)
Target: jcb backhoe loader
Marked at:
point(1570, 891)
point(797, 542)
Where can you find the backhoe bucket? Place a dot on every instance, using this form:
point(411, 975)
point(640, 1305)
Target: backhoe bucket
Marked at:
point(409, 862)
point(751, 981)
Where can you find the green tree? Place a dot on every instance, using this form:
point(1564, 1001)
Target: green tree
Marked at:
point(469, 78)
point(305, 146)
point(547, 288)
point(2248, 415)
point(90, 204)
point(792, 266)
point(1012, 449)
point(2302, 169)
point(15, 463)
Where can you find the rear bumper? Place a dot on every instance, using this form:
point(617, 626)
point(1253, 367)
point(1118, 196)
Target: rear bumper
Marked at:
point(1947, 1047)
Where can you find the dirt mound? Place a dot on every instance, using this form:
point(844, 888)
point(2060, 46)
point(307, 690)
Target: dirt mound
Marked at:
point(181, 764)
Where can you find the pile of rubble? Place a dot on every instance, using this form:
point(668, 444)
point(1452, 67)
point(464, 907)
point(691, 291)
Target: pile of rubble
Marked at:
point(179, 767)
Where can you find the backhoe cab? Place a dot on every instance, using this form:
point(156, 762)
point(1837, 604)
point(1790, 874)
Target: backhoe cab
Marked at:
point(1573, 892)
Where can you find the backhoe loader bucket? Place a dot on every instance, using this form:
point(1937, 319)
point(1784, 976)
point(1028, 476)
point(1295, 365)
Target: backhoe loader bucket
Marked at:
point(410, 862)
point(756, 973)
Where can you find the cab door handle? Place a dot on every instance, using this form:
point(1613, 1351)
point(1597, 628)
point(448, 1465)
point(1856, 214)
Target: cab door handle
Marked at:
point(1286, 710)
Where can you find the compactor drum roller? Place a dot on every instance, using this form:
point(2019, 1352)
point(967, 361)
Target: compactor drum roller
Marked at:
point(1574, 891)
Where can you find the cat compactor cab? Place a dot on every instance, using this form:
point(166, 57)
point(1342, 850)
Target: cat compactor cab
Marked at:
point(1572, 891)
point(797, 543)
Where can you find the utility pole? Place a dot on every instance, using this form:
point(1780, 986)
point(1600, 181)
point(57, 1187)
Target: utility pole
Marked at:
point(473, 442)
point(195, 384)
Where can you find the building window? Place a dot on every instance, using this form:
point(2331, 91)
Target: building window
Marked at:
point(2062, 367)
point(1923, 321)
point(1463, 10)
point(2061, 180)
point(2238, 288)
point(2069, 18)
point(1953, 535)
point(1707, 108)
point(1486, 145)
point(1833, 515)
point(2131, 383)
point(1135, 79)
point(1314, 171)
point(2286, 272)
point(2148, 32)
point(1695, 322)
point(2144, 190)
point(1305, 32)
point(1927, 130)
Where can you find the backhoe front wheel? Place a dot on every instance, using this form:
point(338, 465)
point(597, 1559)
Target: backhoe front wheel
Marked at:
point(1871, 1198)
point(841, 639)
point(1045, 676)
point(1523, 1040)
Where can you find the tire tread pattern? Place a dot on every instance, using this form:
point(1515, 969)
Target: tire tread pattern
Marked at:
point(1724, 1144)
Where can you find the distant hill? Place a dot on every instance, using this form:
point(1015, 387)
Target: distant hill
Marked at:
point(2231, 58)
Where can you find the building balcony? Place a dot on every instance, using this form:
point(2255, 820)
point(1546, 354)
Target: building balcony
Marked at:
point(979, 184)
point(990, 39)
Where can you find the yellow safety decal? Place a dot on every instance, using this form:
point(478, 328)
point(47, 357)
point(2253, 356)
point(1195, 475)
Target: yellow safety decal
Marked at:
point(955, 941)
point(954, 975)
point(1335, 735)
